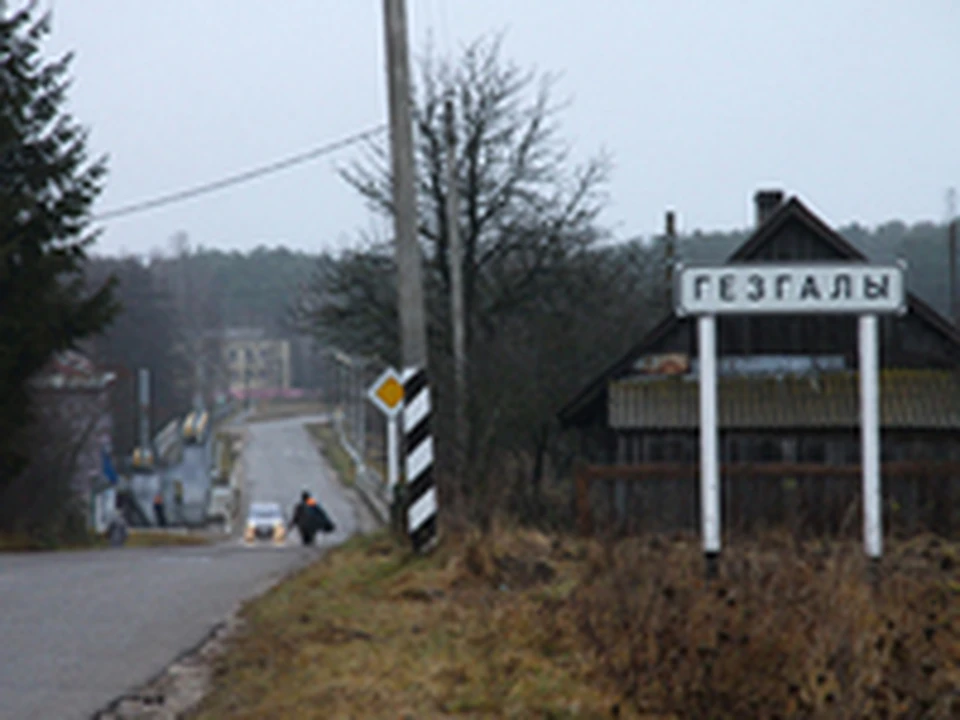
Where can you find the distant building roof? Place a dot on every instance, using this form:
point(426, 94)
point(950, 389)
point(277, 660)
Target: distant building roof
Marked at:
point(71, 370)
point(244, 333)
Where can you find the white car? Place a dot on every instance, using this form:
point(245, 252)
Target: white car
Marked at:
point(265, 521)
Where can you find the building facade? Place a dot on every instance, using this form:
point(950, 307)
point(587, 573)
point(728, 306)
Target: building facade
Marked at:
point(257, 365)
point(788, 410)
point(73, 401)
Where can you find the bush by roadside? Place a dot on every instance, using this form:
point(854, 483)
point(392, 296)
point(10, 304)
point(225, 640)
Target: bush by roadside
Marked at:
point(789, 631)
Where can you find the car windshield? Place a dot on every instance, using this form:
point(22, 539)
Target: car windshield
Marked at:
point(265, 513)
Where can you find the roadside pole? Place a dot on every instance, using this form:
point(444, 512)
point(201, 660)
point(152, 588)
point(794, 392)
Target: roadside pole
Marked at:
point(393, 459)
point(455, 254)
point(420, 497)
point(413, 326)
point(386, 393)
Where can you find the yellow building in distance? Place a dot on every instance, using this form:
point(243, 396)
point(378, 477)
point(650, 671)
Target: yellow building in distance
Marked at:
point(257, 365)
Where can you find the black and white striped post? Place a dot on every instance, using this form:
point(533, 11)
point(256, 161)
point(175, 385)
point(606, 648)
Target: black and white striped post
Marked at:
point(421, 491)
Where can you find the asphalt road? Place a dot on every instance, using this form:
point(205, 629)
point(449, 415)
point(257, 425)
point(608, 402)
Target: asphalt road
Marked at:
point(78, 629)
point(301, 469)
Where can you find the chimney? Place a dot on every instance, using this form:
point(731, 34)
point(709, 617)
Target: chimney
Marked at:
point(767, 202)
point(669, 250)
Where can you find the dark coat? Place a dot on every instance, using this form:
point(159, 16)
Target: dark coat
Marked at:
point(310, 518)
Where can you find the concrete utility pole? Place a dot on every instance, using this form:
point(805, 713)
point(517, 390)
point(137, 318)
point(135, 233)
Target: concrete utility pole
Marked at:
point(144, 397)
point(952, 252)
point(409, 275)
point(455, 254)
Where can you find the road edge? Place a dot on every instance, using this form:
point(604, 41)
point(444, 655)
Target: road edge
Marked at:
point(183, 683)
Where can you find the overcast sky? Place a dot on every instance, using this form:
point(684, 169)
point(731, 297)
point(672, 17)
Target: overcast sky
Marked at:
point(853, 105)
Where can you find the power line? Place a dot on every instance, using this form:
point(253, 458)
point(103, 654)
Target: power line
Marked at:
point(239, 178)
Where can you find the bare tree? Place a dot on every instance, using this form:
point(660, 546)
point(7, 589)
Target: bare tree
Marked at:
point(537, 291)
point(523, 205)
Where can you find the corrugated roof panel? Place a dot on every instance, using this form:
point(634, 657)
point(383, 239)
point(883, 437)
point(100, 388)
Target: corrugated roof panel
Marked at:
point(920, 399)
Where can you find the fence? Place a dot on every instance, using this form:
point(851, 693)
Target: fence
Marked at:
point(364, 427)
point(361, 428)
point(805, 498)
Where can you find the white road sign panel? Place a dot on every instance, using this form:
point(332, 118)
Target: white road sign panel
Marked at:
point(751, 289)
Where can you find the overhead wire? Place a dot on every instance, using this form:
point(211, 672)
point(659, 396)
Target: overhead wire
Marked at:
point(239, 178)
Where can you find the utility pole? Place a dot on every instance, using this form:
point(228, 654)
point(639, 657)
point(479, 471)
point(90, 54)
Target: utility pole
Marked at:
point(146, 447)
point(419, 495)
point(455, 255)
point(409, 275)
point(952, 251)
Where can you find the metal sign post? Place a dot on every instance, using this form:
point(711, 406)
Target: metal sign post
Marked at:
point(387, 394)
point(709, 460)
point(765, 289)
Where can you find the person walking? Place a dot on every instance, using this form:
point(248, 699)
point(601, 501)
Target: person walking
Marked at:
point(310, 518)
point(158, 510)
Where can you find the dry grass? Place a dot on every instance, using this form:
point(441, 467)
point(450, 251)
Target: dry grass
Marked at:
point(325, 437)
point(23, 543)
point(136, 539)
point(371, 632)
point(531, 626)
point(285, 409)
point(789, 631)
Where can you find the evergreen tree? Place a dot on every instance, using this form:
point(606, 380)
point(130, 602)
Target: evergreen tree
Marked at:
point(47, 186)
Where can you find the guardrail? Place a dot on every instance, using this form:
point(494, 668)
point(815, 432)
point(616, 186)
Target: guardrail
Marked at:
point(168, 443)
point(368, 481)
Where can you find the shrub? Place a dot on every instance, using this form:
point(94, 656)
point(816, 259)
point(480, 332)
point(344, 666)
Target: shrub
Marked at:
point(798, 632)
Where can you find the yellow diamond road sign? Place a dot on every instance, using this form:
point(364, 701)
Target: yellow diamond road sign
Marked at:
point(387, 392)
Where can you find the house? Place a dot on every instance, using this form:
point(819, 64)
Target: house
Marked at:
point(73, 403)
point(257, 365)
point(788, 411)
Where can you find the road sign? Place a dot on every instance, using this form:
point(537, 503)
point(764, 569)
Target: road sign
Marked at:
point(808, 288)
point(387, 393)
point(787, 289)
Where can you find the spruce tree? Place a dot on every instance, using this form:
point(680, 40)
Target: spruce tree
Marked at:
point(47, 186)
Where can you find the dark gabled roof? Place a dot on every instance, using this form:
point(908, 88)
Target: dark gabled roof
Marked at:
point(791, 210)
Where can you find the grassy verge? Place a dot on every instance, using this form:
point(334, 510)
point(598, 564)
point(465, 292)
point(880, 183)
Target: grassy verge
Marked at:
point(24, 543)
point(136, 539)
point(371, 632)
point(524, 625)
point(325, 437)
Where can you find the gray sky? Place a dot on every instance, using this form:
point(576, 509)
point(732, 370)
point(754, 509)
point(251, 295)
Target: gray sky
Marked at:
point(854, 105)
